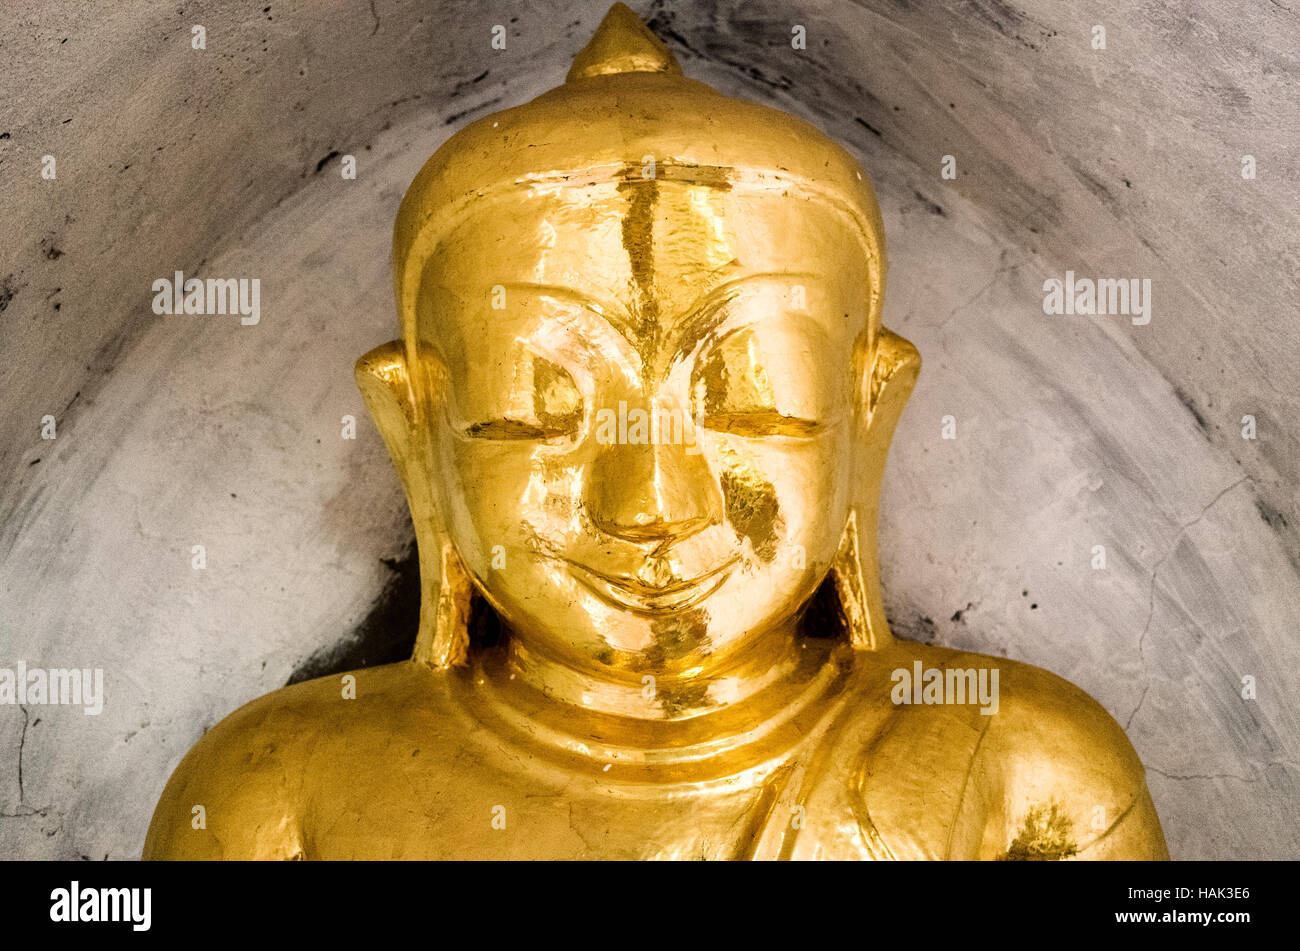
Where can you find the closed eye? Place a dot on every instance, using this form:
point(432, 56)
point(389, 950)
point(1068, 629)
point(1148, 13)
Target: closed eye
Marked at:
point(513, 429)
point(761, 423)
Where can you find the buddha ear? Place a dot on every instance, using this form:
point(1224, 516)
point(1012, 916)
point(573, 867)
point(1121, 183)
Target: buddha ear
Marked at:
point(884, 375)
point(895, 365)
point(446, 590)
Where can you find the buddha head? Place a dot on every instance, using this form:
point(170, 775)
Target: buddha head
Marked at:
point(642, 398)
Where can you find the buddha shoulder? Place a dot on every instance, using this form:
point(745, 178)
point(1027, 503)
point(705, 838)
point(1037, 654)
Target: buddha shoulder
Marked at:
point(1026, 763)
point(238, 793)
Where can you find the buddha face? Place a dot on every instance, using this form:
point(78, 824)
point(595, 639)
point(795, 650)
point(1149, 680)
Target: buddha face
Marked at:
point(645, 435)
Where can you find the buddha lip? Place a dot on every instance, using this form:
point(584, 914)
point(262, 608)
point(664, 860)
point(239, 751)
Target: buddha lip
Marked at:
point(647, 599)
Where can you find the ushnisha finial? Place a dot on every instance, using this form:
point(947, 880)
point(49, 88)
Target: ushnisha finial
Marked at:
point(622, 44)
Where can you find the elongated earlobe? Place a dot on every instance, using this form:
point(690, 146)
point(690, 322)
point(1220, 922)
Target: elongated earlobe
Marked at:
point(846, 575)
point(446, 590)
point(886, 377)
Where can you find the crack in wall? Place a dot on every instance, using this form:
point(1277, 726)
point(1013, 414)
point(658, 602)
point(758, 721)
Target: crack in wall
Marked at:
point(1151, 595)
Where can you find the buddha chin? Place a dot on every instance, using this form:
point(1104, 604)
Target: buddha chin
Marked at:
point(641, 407)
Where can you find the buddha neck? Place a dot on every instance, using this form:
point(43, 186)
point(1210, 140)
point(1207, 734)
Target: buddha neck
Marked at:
point(655, 692)
point(690, 725)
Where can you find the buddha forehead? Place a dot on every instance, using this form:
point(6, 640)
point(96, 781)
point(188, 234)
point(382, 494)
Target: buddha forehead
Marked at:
point(657, 258)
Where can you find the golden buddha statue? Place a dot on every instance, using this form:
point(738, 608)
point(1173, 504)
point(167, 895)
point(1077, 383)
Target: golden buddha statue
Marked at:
point(641, 407)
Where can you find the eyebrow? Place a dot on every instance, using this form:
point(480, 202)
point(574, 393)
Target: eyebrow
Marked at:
point(705, 314)
point(709, 312)
point(622, 349)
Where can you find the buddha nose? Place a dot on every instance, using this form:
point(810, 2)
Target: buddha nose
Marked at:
point(652, 491)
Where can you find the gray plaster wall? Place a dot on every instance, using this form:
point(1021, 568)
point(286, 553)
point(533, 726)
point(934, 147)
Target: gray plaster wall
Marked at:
point(1071, 432)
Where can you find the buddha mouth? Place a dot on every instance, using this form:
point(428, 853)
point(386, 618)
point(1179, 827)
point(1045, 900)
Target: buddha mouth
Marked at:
point(647, 597)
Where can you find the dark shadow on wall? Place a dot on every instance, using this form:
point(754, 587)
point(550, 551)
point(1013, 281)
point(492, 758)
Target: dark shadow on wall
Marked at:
point(385, 636)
